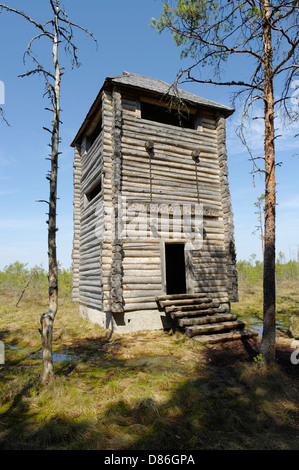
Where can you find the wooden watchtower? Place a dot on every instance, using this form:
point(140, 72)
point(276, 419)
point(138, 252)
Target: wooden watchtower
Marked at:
point(143, 155)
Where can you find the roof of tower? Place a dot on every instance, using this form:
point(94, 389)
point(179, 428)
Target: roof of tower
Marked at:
point(158, 86)
point(133, 80)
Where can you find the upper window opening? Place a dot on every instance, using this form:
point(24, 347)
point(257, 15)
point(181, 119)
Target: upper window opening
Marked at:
point(91, 137)
point(94, 191)
point(96, 132)
point(165, 115)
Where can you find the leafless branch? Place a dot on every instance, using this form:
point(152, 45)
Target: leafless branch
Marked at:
point(2, 116)
point(21, 13)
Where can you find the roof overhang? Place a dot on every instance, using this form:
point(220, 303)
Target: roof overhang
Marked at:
point(148, 85)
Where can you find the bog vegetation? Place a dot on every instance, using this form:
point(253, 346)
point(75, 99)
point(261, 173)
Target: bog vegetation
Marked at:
point(18, 277)
point(252, 270)
point(17, 280)
point(156, 390)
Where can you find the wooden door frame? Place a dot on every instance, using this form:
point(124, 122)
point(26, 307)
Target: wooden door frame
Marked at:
point(188, 264)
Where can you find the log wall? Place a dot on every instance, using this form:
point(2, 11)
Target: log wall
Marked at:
point(77, 224)
point(123, 274)
point(169, 174)
point(92, 228)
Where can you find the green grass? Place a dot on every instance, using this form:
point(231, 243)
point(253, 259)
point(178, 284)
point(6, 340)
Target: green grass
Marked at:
point(250, 305)
point(147, 390)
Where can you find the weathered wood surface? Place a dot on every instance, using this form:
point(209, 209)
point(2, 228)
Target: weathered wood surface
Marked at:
point(77, 225)
point(207, 303)
point(212, 328)
point(130, 269)
point(182, 322)
point(207, 324)
point(178, 303)
point(196, 313)
point(225, 337)
point(229, 240)
point(172, 297)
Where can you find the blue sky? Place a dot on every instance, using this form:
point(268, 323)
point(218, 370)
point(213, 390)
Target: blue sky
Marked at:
point(125, 42)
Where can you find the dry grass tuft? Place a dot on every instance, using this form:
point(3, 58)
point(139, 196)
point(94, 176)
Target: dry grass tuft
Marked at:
point(147, 390)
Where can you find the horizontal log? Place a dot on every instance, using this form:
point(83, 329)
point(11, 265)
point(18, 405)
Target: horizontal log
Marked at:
point(196, 313)
point(184, 302)
point(140, 295)
point(204, 174)
point(184, 309)
point(130, 307)
point(209, 277)
point(141, 280)
point(159, 131)
point(206, 319)
point(167, 153)
point(97, 305)
point(88, 266)
point(214, 270)
point(212, 284)
point(212, 328)
point(130, 253)
point(142, 272)
point(225, 337)
point(180, 296)
point(212, 250)
point(93, 290)
point(169, 184)
point(127, 287)
point(143, 260)
point(206, 262)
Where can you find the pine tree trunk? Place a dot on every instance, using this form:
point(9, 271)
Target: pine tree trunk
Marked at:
point(268, 337)
point(47, 319)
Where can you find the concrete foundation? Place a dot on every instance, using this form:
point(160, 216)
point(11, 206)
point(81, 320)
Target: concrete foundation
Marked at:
point(128, 322)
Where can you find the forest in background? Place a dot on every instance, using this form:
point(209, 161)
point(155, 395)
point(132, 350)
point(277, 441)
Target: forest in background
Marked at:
point(17, 278)
point(147, 390)
point(252, 270)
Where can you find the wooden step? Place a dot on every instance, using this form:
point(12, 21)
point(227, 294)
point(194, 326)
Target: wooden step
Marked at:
point(206, 319)
point(184, 302)
point(196, 313)
point(224, 337)
point(180, 296)
point(186, 308)
point(213, 328)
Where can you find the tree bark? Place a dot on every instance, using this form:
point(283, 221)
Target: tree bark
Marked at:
point(61, 34)
point(268, 337)
point(47, 319)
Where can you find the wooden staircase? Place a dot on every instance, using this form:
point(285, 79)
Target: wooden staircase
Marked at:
point(202, 318)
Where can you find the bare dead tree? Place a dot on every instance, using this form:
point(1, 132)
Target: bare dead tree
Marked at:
point(260, 211)
point(267, 34)
point(59, 31)
point(2, 116)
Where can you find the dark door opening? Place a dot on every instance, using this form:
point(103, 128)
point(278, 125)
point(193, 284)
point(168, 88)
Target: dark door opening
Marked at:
point(175, 268)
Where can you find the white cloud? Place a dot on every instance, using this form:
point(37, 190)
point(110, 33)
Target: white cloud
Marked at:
point(254, 132)
point(290, 204)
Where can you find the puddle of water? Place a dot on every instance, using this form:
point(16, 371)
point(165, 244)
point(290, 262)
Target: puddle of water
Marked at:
point(57, 357)
point(256, 325)
point(62, 357)
point(11, 346)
